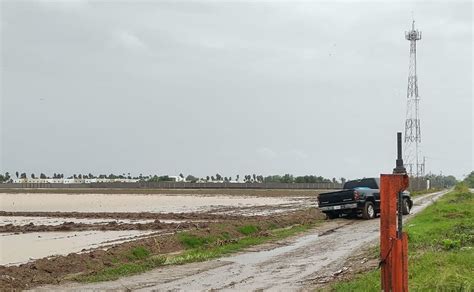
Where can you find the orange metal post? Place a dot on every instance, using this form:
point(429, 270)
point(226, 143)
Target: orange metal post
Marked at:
point(405, 261)
point(393, 250)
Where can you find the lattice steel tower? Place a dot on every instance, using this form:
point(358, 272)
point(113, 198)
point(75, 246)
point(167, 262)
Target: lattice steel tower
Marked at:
point(412, 151)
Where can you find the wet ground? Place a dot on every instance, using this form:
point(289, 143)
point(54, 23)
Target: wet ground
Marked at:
point(300, 263)
point(156, 203)
point(36, 225)
point(24, 247)
point(53, 221)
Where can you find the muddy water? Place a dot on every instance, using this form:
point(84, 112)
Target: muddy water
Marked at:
point(20, 248)
point(127, 203)
point(51, 221)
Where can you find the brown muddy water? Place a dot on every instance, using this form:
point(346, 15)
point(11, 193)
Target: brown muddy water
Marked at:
point(128, 203)
point(20, 248)
point(23, 247)
point(52, 221)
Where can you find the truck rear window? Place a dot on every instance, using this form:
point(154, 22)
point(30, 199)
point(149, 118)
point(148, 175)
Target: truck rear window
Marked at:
point(362, 183)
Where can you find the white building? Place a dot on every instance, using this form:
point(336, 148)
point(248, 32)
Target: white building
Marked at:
point(74, 181)
point(176, 178)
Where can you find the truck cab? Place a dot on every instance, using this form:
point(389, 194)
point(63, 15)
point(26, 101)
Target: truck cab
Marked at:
point(358, 197)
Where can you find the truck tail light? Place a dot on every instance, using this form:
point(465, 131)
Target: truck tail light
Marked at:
point(356, 195)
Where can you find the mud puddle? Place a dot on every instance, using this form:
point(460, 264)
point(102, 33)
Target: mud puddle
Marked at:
point(264, 255)
point(21, 248)
point(24, 220)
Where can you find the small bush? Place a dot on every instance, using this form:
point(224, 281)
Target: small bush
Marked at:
point(193, 241)
point(461, 188)
point(451, 244)
point(248, 229)
point(139, 253)
point(156, 261)
point(226, 235)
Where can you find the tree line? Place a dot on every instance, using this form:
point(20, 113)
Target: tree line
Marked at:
point(441, 181)
point(248, 178)
point(435, 180)
point(469, 180)
point(252, 178)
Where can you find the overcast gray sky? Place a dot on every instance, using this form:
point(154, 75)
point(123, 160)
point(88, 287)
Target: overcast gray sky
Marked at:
point(231, 87)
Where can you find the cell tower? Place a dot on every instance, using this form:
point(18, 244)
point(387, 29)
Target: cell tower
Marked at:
point(412, 151)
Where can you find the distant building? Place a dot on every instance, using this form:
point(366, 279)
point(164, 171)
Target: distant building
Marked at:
point(55, 180)
point(74, 181)
point(176, 178)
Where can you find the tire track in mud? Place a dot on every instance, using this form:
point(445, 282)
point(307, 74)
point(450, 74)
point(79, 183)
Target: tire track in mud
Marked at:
point(291, 264)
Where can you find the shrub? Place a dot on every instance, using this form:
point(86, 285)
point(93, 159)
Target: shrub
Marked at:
point(248, 229)
point(139, 253)
point(451, 244)
point(461, 187)
point(192, 241)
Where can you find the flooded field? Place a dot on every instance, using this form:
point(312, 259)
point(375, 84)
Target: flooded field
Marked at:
point(21, 248)
point(129, 203)
point(52, 221)
point(37, 225)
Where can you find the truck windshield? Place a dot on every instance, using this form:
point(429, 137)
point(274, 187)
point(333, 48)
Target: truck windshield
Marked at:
point(370, 183)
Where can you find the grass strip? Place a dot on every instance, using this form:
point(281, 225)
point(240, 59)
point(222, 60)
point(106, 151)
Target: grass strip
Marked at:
point(441, 253)
point(424, 192)
point(199, 249)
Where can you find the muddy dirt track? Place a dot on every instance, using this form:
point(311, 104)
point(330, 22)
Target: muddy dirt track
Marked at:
point(303, 262)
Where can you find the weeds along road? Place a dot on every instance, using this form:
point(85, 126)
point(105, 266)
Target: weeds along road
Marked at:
point(291, 264)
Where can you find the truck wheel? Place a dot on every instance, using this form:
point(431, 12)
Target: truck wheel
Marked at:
point(369, 211)
point(406, 207)
point(332, 215)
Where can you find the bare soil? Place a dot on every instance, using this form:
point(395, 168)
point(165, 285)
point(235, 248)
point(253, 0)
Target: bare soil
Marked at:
point(71, 226)
point(60, 269)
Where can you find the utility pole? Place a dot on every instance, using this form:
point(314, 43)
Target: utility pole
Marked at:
point(412, 151)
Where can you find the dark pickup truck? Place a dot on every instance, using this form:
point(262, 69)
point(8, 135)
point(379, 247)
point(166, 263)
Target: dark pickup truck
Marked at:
point(358, 197)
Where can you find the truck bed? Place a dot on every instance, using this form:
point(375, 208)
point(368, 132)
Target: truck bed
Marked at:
point(336, 198)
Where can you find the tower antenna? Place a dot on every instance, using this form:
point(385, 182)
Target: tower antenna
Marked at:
point(412, 141)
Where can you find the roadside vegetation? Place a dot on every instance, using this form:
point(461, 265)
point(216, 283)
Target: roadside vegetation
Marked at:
point(198, 247)
point(424, 192)
point(469, 180)
point(441, 248)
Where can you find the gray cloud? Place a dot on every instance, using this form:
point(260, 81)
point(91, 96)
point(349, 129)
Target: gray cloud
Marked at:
point(234, 87)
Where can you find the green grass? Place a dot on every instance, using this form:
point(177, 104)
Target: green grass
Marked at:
point(424, 192)
point(123, 269)
point(441, 248)
point(198, 249)
point(248, 229)
point(203, 253)
point(190, 240)
point(138, 253)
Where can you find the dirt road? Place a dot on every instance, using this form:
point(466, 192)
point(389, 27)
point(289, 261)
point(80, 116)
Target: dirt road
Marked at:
point(292, 264)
